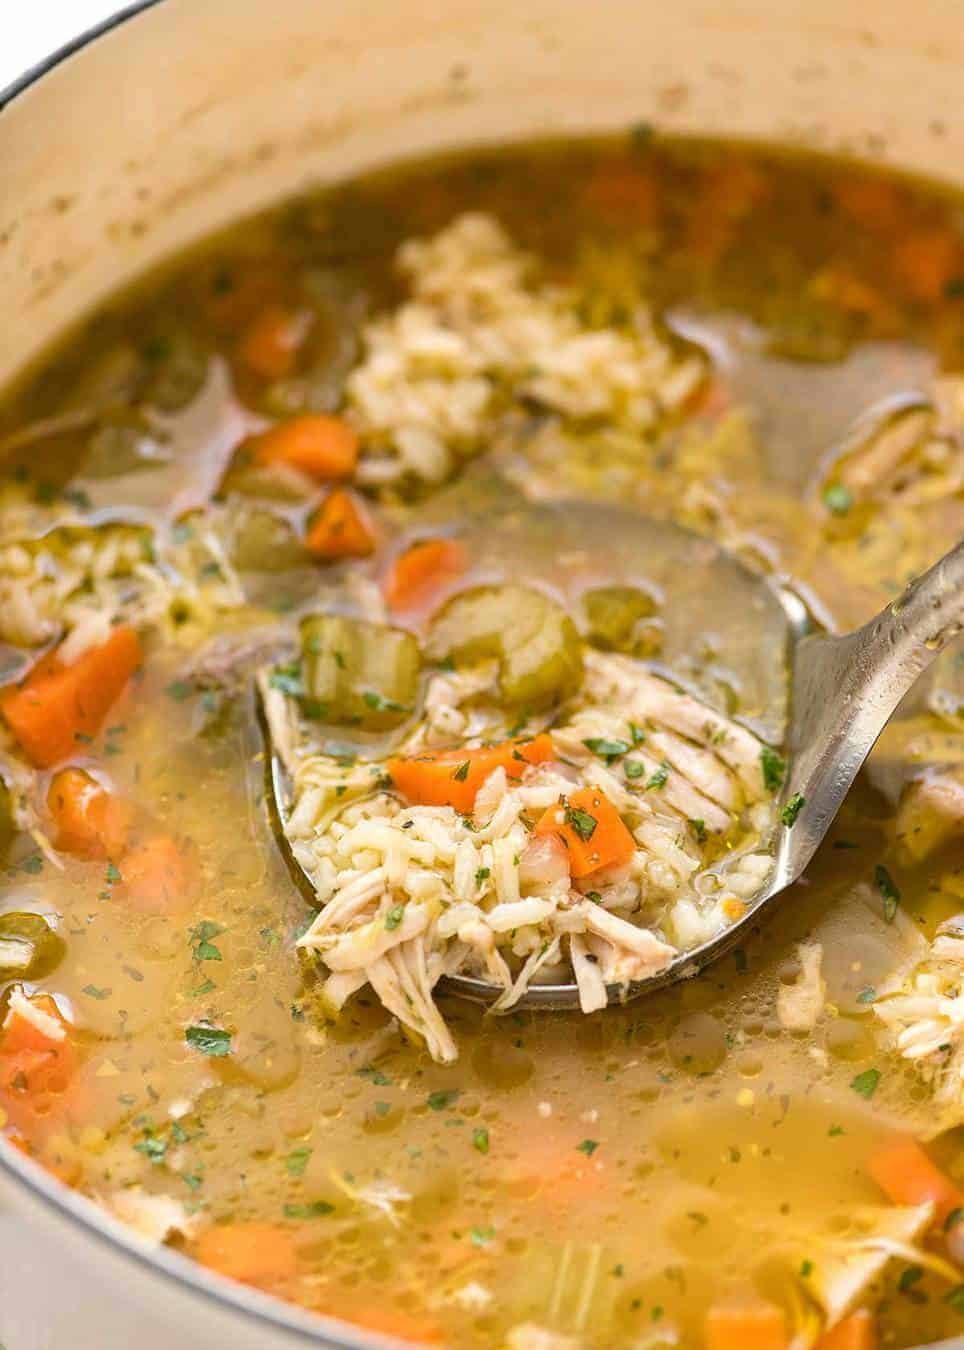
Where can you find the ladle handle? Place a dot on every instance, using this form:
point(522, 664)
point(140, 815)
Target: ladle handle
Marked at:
point(847, 688)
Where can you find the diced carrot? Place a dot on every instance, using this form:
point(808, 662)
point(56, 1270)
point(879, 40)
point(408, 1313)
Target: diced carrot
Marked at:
point(906, 1175)
point(57, 706)
point(746, 1326)
point(322, 447)
point(419, 573)
point(269, 346)
point(340, 529)
point(591, 829)
point(91, 822)
point(158, 876)
point(251, 1252)
point(401, 1326)
point(856, 1332)
point(37, 1062)
point(926, 261)
point(453, 777)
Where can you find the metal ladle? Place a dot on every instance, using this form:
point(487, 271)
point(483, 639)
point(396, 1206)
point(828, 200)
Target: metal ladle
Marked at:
point(843, 692)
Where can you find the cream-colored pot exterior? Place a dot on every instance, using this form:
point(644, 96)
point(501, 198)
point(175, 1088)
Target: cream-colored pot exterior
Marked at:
point(191, 112)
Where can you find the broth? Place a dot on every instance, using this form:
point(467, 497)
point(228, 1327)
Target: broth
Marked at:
point(608, 1177)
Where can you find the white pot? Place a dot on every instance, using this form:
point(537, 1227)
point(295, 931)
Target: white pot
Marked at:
point(187, 113)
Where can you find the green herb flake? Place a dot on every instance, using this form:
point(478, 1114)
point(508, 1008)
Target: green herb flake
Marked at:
point(867, 994)
point(482, 874)
point(955, 1299)
point(865, 1084)
point(288, 679)
point(211, 1041)
point(953, 1219)
point(480, 1139)
point(203, 948)
point(699, 830)
point(92, 991)
point(838, 499)
point(179, 690)
point(806, 1269)
point(481, 1237)
point(581, 822)
point(835, 1131)
point(658, 778)
point(462, 772)
point(774, 768)
point(634, 768)
point(607, 750)
point(297, 1161)
point(394, 917)
point(314, 1209)
point(374, 1075)
point(909, 1276)
point(441, 1100)
point(792, 809)
point(153, 1147)
point(588, 1146)
point(889, 892)
point(637, 734)
point(204, 988)
point(112, 875)
point(378, 703)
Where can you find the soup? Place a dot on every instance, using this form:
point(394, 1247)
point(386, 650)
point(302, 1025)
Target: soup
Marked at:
point(330, 495)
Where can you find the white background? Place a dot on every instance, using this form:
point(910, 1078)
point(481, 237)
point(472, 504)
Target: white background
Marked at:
point(32, 29)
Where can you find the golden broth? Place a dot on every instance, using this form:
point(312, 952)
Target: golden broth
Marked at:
point(607, 1176)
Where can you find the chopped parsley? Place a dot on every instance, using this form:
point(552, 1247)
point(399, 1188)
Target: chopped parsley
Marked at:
point(211, 1041)
point(838, 499)
point(92, 991)
point(955, 1299)
point(658, 777)
point(634, 768)
point(607, 750)
point(588, 1146)
point(909, 1277)
point(792, 809)
point(482, 874)
point(314, 1209)
point(112, 875)
point(375, 1075)
point(865, 1084)
point(637, 733)
point(867, 994)
point(583, 824)
point(481, 1237)
point(462, 772)
point(203, 948)
point(774, 768)
point(806, 1269)
point(288, 679)
point(297, 1161)
point(394, 917)
point(480, 1139)
point(891, 895)
point(178, 690)
point(699, 830)
point(379, 703)
point(439, 1101)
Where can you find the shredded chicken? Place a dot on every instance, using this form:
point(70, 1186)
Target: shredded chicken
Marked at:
point(409, 894)
point(925, 1016)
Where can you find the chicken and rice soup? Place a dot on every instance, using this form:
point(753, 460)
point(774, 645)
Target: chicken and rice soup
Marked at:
point(318, 499)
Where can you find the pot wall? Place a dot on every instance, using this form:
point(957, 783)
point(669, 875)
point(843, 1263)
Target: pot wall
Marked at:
point(191, 113)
